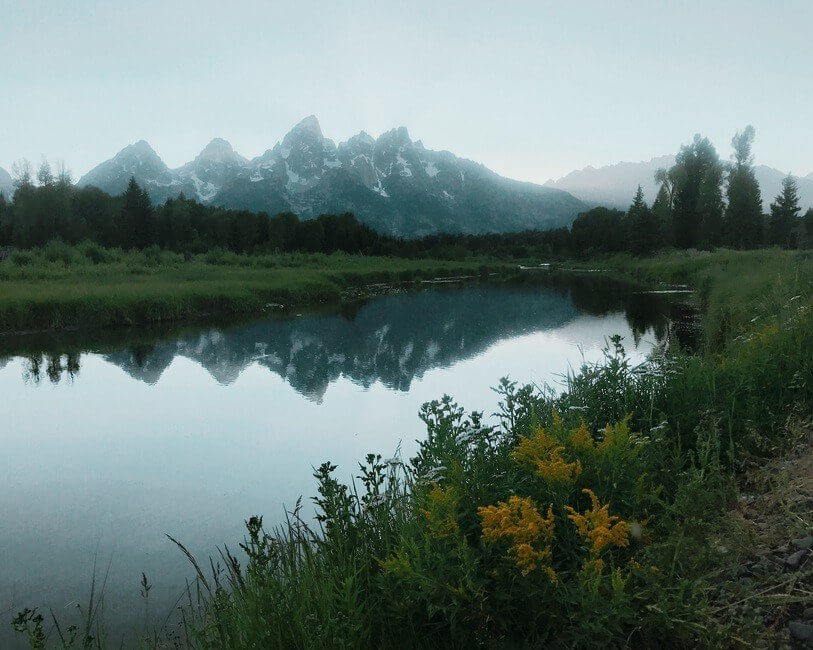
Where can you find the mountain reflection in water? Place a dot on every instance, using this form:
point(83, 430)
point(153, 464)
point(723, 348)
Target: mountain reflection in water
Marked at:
point(392, 339)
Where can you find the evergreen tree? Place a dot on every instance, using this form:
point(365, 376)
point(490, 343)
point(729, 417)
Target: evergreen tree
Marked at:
point(784, 214)
point(710, 205)
point(662, 215)
point(807, 228)
point(641, 226)
point(137, 217)
point(743, 216)
point(45, 176)
point(600, 230)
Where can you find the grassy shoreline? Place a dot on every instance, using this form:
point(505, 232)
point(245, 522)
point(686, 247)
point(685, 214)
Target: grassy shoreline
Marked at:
point(69, 290)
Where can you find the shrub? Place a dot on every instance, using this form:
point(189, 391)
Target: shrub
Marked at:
point(95, 253)
point(57, 250)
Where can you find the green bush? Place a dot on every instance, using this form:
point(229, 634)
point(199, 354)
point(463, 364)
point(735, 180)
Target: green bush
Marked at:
point(21, 258)
point(57, 250)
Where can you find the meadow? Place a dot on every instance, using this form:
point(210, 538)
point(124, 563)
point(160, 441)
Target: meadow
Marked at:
point(60, 286)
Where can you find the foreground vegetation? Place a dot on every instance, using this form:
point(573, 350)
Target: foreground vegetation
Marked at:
point(594, 518)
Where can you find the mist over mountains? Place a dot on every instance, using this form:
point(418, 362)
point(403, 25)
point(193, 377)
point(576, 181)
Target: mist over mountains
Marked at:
point(391, 183)
point(615, 185)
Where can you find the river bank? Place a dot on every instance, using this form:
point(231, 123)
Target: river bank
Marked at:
point(67, 289)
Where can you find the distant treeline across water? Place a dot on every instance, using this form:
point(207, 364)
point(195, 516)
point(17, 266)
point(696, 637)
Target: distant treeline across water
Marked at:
point(702, 203)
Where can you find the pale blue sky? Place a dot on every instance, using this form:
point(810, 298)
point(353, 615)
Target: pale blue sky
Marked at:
point(530, 89)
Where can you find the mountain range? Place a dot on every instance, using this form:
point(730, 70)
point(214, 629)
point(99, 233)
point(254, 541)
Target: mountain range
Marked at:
point(615, 185)
point(393, 184)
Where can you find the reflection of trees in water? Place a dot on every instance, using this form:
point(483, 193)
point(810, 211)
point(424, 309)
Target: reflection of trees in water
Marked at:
point(57, 366)
point(392, 339)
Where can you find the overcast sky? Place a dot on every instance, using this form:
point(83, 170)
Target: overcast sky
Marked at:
point(530, 89)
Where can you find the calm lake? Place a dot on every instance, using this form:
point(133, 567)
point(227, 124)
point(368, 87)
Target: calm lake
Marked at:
point(110, 442)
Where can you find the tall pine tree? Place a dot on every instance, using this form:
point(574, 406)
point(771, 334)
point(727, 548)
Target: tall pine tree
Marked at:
point(641, 226)
point(710, 205)
point(743, 215)
point(807, 229)
point(137, 217)
point(662, 214)
point(785, 213)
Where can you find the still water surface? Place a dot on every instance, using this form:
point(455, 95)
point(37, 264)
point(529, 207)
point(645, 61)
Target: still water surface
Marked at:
point(107, 445)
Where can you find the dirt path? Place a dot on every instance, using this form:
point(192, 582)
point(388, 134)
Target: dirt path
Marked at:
point(768, 591)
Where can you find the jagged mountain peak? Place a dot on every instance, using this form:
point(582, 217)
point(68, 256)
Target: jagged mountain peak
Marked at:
point(399, 135)
point(308, 126)
point(361, 138)
point(141, 148)
point(140, 161)
point(137, 156)
point(219, 150)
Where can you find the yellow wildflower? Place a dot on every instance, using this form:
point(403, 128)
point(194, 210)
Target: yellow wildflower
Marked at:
point(597, 527)
point(544, 454)
point(616, 435)
point(581, 439)
point(440, 515)
point(520, 522)
point(396, 563)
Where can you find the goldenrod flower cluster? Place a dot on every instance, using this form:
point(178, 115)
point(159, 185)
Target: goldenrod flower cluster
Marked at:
point(440, 514)
point(531, 534)
point(598, 528)
point(581, 439)
point(544, 454)
point(617, 435)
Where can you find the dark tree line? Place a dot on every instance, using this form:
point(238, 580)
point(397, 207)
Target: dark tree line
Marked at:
point(56, 209)
point(701, 203)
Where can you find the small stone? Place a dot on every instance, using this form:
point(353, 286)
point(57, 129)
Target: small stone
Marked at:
point(803, 543)
point(794, 561)
point(800, 630)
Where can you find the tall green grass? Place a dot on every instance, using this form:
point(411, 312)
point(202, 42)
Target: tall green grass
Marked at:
point(61, 286)
point(403, 558)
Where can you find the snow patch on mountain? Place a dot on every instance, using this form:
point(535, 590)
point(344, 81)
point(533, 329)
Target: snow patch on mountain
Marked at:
point(430, 168)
